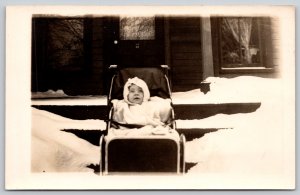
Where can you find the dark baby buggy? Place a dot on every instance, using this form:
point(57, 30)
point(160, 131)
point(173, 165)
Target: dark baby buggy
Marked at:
point(138, 149)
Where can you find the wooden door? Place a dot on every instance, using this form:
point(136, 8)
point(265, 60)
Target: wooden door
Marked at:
point(138, 52)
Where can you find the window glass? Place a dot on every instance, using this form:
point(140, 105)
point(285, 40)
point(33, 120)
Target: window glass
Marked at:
point(240, 45)
point(66, 44)
point(137, 28)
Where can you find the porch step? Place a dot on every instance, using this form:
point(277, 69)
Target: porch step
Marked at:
point(193, 133)
point(199, 111)
point(182, 111)
point(77, 112)
point(93, 136)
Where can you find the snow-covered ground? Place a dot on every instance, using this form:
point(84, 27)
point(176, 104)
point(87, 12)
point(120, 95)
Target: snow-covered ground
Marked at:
point(56, 150)
point(254, 147)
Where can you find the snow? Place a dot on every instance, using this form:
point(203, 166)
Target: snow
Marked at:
point(54, 150)
point(59, 97)
point(222, 90)
point(255, 137)
point(251, 144)
point(230, 90)
point(49, 93)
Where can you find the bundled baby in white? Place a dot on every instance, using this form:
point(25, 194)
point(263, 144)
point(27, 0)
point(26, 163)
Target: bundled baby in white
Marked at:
point(139, 108)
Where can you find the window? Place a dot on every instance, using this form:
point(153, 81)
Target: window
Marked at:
point(61, 53)
point(137, 28)
point(66, 44)
point(242, 44)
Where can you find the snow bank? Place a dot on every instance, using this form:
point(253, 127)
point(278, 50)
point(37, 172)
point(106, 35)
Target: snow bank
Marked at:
point(229, 90)
point(251, 149)
point(54, 150)
point(49, 94)
point(255, 144)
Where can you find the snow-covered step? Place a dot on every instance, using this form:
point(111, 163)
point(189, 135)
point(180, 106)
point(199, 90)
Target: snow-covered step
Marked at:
point(78, 112)
point(193, 133)
point(199, 111)
point(182, 111)
point(93, 136)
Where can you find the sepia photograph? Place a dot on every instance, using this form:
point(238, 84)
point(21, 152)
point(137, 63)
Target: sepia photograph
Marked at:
point(150, 97)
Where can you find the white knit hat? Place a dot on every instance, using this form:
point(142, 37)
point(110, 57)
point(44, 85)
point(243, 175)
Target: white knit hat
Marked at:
point(138, 82)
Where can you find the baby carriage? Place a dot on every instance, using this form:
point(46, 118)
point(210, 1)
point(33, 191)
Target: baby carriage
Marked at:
point(151, 153)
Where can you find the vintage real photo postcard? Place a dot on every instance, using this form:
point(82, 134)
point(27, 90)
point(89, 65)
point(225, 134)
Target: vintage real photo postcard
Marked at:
point(150, 97)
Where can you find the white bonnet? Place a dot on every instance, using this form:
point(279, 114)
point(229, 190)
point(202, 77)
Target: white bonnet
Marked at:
point(138, 82)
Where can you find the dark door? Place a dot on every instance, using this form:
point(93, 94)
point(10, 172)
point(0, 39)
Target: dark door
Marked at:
point(133, 52)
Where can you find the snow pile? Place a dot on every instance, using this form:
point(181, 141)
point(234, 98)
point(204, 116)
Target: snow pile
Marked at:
point(49, 94)
point(254, 145)
point(54, 150)
point(229, 90)
point(246, 149)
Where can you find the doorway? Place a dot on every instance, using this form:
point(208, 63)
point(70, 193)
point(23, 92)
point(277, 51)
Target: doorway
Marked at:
point(133, 51)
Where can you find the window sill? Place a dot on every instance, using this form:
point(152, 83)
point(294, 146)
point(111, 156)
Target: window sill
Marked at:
point(247, 70)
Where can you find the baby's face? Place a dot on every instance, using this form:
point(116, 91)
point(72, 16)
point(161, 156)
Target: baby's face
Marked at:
point(136, 94)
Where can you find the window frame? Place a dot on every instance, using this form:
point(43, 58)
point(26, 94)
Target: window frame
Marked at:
point(265, 44)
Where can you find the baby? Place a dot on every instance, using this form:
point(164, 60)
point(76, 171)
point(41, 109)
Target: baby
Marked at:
point(138, 107)
point(136, 91)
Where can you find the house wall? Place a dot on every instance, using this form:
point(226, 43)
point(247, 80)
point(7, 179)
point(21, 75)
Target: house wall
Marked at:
point(185, 52)
point(275, 40)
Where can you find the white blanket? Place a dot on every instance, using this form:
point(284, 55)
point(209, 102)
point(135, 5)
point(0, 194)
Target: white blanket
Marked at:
point(143, 131)
point(154, 112)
